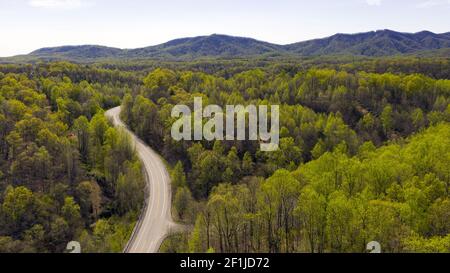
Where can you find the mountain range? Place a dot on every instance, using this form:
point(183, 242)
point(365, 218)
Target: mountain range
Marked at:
point(372, 44)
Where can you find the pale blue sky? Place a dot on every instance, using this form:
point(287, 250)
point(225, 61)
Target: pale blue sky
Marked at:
point(26, 25)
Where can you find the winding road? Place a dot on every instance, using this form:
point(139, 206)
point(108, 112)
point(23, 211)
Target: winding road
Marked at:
point(155, 221)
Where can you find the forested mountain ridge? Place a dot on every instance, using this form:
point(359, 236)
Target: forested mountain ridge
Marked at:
point(83, 51)
point(374, 43)
point(208, 46)
point(215, 45)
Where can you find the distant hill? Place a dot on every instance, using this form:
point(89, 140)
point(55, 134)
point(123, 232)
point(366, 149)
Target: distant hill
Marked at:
point(78, 52)
point(208, 46)
point(373, 44)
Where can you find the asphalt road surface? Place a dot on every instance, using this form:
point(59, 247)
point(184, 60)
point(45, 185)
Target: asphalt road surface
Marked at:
point(155, 221)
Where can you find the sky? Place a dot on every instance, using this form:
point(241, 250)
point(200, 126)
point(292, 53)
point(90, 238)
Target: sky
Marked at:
point(26, 25)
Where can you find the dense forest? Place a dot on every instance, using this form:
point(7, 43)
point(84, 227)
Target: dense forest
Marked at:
point(348, 170)
point(65, 173)
point(364, 155)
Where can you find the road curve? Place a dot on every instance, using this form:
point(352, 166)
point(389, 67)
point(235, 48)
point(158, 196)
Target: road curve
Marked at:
point(155, 221)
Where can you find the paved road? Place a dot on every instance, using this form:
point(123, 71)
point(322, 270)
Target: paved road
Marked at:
point(155, 221)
